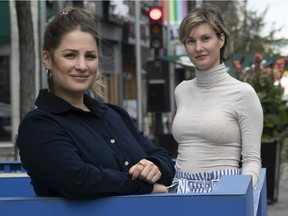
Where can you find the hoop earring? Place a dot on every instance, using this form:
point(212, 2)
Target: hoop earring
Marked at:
point(48, 73)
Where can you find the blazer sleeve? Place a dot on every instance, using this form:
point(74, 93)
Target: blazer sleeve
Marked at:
point(156, 154)
point(57, 169)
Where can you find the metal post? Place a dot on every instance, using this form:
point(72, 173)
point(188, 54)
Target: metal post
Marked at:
point(138, 63)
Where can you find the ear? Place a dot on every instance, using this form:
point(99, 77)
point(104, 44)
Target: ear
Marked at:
point(222, 40)
point(46, 60)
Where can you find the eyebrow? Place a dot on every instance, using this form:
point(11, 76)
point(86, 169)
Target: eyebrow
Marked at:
point(74, 50)
point(205, 34)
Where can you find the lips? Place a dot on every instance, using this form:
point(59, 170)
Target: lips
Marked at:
point(200, 56)
point(84, 76)
point(79, 77)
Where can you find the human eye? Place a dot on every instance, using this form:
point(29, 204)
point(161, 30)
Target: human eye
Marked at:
point(206, 38)
point(69, 55)
point(91, 56)
point(190, 41)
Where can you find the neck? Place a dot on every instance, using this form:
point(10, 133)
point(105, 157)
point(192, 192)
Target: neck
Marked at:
point(212, 76)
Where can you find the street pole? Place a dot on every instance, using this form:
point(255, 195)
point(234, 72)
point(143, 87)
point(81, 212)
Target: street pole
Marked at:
point(138, 64)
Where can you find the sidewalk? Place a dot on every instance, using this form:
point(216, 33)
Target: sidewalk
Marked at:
point(280, 208)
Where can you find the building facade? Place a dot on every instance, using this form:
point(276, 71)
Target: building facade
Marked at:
point(125, 46)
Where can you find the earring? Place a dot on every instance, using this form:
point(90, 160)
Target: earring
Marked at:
point(48, 73)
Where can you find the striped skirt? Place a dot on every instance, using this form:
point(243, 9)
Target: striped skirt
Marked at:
point(203, 182)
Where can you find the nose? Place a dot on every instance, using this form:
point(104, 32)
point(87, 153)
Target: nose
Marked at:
point(198, 46)
point(81, 64)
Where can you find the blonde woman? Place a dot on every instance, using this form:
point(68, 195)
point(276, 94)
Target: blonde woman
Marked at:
point(219, 119)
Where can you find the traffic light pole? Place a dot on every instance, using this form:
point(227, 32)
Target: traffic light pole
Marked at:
point(158, 114)
point(155, 15)
point(158, 123)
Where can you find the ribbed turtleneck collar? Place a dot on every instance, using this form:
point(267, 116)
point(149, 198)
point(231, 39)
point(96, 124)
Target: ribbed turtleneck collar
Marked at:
point(212, 76)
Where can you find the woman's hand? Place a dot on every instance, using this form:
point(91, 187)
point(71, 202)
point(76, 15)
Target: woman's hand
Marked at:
point(159, 188)
point(145, 170)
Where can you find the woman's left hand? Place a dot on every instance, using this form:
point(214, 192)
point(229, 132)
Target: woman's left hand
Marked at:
point(145, 170)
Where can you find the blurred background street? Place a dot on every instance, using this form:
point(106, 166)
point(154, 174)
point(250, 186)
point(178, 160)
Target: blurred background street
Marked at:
point(145, 66)
point(280, 207)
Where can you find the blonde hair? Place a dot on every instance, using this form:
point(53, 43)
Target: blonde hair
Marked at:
point(208, 14)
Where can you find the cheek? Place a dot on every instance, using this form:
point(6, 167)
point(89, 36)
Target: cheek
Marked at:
point(214, 48)
point(63, 66)
point(93, 68)
point(189, 49)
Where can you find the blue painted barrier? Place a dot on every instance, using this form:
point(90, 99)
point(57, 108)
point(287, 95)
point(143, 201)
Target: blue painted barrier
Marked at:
point(233, 195)
point(260, 195)
point(11, 166)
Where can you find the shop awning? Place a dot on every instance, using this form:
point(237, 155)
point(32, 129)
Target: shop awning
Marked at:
point(4, 23)
point(247, 59)
point(177, 59)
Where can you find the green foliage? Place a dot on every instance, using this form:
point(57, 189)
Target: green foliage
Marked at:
point(245, 26)
point(246, 29)
point(274, 107)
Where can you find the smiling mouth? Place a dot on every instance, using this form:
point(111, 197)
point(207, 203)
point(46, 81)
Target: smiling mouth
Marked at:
point(79, 77)
point(200, 56)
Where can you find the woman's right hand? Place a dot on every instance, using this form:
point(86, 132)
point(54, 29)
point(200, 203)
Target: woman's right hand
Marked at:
point(159, 188)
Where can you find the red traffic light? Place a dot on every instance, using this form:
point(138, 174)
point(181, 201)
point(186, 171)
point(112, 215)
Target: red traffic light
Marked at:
point(155, 13)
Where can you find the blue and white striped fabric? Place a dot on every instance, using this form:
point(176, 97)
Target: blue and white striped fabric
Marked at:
point(198, 182)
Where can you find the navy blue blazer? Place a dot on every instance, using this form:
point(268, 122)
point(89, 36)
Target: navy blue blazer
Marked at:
point(72, 153)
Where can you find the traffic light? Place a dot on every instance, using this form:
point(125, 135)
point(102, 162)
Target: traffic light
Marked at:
point(155, 15)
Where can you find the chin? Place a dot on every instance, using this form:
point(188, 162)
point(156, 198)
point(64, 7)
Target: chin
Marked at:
point(79, 90)
point(201, 68)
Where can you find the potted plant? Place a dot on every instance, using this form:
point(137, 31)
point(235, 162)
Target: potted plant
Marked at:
point(265, 79)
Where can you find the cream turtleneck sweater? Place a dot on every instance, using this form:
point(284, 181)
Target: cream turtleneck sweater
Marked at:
point(218, 119)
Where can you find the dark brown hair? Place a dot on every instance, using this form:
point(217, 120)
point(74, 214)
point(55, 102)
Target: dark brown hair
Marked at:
point(71, 19)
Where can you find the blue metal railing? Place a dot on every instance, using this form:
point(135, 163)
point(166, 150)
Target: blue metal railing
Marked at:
point(233, 195)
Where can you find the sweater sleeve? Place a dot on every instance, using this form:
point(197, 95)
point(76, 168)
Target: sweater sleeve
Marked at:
point(251, 125)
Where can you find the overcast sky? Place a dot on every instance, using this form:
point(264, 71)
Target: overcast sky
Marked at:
point(277, 15)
